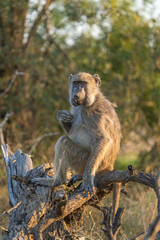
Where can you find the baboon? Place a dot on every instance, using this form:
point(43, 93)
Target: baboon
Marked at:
point(93, 134)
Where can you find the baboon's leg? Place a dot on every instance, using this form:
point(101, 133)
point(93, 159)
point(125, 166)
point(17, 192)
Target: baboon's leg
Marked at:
point(69, 154)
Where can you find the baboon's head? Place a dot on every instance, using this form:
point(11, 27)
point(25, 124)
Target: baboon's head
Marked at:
point(83, 88)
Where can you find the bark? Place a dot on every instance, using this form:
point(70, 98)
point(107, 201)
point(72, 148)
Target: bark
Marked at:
point(40, 212)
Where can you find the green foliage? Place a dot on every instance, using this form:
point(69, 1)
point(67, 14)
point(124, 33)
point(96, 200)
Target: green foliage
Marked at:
point(110, 38)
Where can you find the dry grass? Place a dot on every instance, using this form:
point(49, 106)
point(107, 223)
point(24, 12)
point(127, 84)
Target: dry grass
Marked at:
point(140, 211)
point(4, 205)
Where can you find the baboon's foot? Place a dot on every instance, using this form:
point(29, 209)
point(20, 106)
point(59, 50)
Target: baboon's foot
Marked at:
point(74, 179)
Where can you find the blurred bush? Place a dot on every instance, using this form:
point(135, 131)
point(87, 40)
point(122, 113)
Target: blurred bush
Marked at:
point(48, 40)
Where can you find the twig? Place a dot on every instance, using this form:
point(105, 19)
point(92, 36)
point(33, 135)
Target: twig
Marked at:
point(154, 228)
point(40, 139)
point(4, 229)
point(107, 213)
point(5, 119)
point(11, 209)
point(1, 130)
point(117, 221)
point(11, 82)
point(6, 160)
point(139, 236)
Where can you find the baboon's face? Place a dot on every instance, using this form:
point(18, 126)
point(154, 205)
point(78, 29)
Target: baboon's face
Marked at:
point(83, 88)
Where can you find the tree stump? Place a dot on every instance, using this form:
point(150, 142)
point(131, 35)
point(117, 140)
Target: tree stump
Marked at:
point(40, 212)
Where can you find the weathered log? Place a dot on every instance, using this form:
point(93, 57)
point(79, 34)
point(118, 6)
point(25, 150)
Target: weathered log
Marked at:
point(35, 208)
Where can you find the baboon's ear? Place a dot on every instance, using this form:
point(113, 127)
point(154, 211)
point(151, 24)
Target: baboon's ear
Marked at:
point(70, 76)
point(97, 79)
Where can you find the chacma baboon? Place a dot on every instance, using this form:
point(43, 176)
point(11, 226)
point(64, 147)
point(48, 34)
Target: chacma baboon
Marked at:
point(93, 134)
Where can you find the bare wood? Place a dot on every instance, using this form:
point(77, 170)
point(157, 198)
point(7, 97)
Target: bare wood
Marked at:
point(20, 164)
point(4, 229)
point(108, 226)
point(52, 207)
point(11, 209)
point(111, 229)
point(11, 82)
point(139, 236)
point(73, 203)
point(101, 182)
point(118, 221)
point(154, 228)
point(5, 119)
point(149, 180)
point(6, 160)
point(1, 127)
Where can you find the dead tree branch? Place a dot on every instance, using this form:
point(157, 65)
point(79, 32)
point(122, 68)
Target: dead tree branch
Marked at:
point(101, 182)
point(10, 210)
point(43, 207)
point(39, 139)
point(131, 175)
point(5, 119)
point(7, 160)
point(11, 82)
point(25, 164)
point(139, 236)
point(154, 228)
point(1, 127)
point(111, 229)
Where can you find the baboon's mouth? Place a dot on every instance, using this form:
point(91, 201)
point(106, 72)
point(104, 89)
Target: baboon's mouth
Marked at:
point(76, 102)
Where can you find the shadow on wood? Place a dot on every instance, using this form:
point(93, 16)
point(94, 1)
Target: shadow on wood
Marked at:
point(39, 212)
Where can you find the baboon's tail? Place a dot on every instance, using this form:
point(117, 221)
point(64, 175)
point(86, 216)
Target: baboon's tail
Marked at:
point(116, 197)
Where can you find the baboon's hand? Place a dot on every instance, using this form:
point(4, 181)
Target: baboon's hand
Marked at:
point(64, 116)
point(88, 186)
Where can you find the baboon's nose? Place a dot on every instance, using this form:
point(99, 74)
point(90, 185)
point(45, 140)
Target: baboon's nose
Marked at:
point(76, 97)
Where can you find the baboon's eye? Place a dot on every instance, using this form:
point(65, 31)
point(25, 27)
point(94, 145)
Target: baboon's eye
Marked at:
point(80, 82)
point(76, 82)
point(83, 83)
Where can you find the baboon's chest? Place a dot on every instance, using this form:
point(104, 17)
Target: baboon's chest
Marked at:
point(79, 133)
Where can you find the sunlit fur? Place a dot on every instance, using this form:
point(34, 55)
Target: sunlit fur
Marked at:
point(93, 139)
point(93, 134)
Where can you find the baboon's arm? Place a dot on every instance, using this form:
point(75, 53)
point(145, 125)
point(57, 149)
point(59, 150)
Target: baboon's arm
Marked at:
point(66, 126)
point(65, 119)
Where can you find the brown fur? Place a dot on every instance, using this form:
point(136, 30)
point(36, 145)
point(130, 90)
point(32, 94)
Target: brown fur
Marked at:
point(93, 133)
